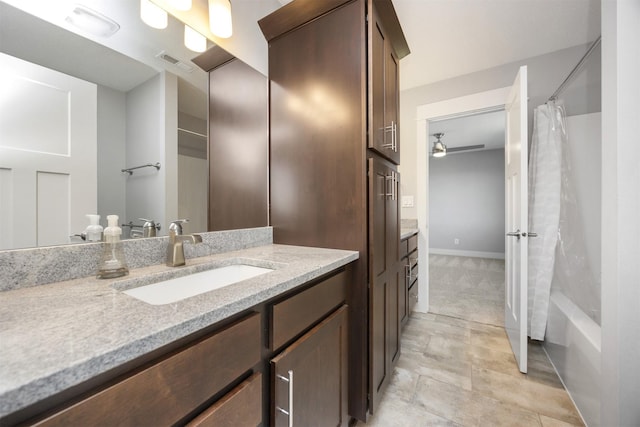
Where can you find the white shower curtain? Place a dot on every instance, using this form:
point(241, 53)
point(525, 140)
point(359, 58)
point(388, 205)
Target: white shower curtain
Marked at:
point(545, 184)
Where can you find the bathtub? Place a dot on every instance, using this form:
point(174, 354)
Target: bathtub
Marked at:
point(573, 343)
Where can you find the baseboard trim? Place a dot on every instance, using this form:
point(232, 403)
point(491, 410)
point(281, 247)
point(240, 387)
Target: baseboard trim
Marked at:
point(473, 254)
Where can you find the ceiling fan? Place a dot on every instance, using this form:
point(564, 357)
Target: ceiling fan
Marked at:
point(441, 150)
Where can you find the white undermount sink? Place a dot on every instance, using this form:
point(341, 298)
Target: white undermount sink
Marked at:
point(173, 290)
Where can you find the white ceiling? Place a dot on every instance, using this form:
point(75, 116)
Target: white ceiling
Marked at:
point(484, 128)
point(449, 38)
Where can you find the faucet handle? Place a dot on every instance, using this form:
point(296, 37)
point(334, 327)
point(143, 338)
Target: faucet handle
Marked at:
point(176, 226)
point(149, 228)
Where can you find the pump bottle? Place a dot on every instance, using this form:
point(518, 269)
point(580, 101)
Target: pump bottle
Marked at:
point(112, 263)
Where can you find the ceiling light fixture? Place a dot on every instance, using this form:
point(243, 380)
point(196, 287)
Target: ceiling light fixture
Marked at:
point(193, 40)
point(153, 15)
point(439, 149)
point(92, 22)
point(220, 18)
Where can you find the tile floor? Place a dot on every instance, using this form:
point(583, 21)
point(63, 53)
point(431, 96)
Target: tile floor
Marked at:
point(459, 372)
point(479, 280)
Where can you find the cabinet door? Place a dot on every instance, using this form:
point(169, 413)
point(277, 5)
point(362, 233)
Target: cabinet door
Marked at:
point(309, 378)
point(386, 285)
point(383, 94)
point(391, 103)
point(238, 147)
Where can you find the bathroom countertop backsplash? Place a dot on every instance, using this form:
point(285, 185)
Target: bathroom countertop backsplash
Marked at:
point(22, 268)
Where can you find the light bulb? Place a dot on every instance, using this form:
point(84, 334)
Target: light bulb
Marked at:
point(153, 15)
point(220, 18)
point(194, 40)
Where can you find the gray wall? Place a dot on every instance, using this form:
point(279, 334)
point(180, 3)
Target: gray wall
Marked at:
point(466, 201)
point(546, 72)
point(112, 138)
point(152, 118)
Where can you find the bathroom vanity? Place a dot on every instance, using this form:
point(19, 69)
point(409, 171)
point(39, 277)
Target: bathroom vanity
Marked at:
point(82, 352)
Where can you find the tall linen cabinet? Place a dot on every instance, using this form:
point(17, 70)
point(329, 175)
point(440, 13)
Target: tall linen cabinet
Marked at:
point(334, 150)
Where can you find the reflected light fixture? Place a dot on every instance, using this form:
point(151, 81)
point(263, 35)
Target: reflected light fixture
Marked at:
point(220, 18)
point(439, 149)
point(193, 40)
point(153, 15)
point(92, 22)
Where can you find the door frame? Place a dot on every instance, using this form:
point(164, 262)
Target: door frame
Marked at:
point(450, 108)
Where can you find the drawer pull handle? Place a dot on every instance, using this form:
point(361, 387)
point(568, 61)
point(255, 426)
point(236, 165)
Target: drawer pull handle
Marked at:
point(288, 380)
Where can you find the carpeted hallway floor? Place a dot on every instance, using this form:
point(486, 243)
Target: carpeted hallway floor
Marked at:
point(467, 288)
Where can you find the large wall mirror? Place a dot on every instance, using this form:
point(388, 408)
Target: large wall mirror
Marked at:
point(78, 107)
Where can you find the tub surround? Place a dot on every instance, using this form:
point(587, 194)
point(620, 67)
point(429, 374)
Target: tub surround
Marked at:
point(55, 336)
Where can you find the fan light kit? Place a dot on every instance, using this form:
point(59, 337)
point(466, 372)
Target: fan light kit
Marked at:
point(439, 149)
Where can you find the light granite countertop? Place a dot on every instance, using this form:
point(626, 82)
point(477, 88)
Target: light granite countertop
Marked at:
point(57, 335)
point(405, 233)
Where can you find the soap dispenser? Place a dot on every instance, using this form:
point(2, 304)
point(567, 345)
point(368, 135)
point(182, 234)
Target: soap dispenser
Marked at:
point(94, 229)
point(112, 263)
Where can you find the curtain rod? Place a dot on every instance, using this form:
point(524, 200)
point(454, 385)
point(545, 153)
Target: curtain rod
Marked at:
point(575, 70)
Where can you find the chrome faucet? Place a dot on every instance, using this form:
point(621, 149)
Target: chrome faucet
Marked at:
point(175, 249)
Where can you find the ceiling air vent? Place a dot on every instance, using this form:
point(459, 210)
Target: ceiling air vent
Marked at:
point(175, 62)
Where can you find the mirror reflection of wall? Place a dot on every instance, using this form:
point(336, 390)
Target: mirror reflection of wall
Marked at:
point(137, 112)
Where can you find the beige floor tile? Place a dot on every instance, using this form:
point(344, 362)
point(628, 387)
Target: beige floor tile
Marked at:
point(494, 338)
point(529, 395)
point(448, 370)
point(403, 414)
point(552, 422)
point(457, 367)
point(469, 408)
point(423, 316)
point(402, 385)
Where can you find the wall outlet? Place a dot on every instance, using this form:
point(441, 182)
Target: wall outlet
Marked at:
point(407, 201)
point(456, 241)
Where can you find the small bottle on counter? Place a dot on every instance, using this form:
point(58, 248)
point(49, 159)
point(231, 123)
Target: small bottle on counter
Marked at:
point(94, 230)
point(112, 263)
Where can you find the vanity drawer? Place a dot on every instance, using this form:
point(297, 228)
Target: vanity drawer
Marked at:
point(242, 406)
point(297, 313)
point(165, 392)
point(404, 248)
point(412, 243)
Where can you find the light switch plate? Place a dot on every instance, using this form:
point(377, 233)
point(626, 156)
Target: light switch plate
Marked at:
point(407, 201)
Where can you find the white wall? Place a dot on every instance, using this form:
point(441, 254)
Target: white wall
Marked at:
point(152, 137)
point(585, 147)
point(112, 138)
point(620, 213)
point(466, 201)
point(545, 73)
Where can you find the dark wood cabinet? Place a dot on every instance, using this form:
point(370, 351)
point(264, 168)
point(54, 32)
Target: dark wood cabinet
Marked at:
point(238, 145)
point(383, 92)
point(333, 91)
point(309, 378)
point(231, 375)
point(386, 291)
point(242, 406)
point(409, 252)
point(168, 391)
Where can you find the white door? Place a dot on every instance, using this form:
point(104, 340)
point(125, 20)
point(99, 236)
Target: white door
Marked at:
point(48, 154)
point(516, 152)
